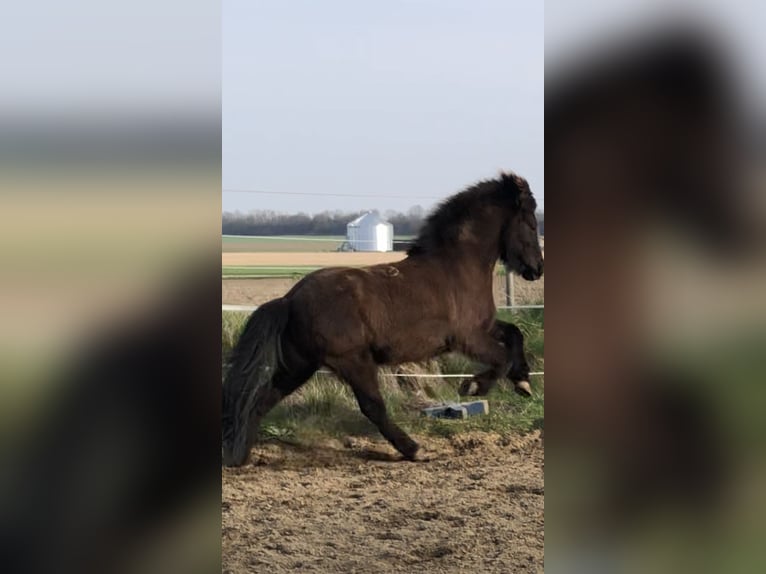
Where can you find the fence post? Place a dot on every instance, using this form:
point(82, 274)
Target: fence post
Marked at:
point(509, 298)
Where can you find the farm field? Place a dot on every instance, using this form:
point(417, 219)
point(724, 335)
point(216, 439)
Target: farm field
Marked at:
point(309, 258)
point(287, 243)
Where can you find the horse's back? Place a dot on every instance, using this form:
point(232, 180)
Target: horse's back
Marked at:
point(384, 290)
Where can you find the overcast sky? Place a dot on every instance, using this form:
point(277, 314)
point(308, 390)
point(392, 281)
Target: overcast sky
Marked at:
point(408, 98)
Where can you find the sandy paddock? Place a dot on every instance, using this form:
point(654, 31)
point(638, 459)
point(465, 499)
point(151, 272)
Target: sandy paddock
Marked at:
point(353, 506)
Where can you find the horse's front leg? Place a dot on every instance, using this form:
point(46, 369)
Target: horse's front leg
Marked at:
point(513, 340)
point(503, 350)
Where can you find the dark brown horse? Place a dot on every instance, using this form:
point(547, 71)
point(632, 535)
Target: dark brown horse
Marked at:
point(438, 299)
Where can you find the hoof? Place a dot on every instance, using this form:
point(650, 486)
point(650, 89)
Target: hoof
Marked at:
point(410, 451)
point(468, 388)
point(418, 454)
point(422, 456)
point(233, 461)
point(523, 388)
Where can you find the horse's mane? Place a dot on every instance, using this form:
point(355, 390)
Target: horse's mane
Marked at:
point(442, 226)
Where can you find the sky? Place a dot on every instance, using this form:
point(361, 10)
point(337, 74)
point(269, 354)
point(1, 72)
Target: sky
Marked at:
point(396, 103)
point(90, 57)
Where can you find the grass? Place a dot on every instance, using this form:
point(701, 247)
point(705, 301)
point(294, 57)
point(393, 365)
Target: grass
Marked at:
point(241, 272)
point(325, 407)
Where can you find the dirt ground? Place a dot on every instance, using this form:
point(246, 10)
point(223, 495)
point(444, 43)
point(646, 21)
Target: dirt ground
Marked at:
point(476, 506)
point(253, 291)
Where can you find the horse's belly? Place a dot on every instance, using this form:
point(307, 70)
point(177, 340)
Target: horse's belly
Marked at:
point(415, 343)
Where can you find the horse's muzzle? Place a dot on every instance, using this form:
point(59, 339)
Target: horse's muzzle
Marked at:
point(531, 273)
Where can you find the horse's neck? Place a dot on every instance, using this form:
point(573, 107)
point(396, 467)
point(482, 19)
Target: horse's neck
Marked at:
point(470, 259)
point(471, 268)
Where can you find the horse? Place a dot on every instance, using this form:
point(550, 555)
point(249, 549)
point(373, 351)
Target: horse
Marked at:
point(352, 320)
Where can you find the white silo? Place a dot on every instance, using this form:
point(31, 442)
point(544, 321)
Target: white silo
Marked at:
point(370, 232)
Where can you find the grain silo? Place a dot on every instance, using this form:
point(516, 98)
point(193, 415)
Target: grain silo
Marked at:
point(370, 232)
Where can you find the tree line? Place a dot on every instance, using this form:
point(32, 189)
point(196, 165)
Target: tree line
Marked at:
point(325, 223)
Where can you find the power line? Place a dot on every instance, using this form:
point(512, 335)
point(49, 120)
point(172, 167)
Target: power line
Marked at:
point(315, 194)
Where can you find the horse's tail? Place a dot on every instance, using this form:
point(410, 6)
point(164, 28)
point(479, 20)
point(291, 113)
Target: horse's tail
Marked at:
point(248, 388)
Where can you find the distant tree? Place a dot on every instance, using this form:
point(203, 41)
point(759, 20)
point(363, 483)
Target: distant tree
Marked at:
point(416, 212)
point(263, 222)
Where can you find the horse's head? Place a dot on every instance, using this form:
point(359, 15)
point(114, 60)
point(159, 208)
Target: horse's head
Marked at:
point(520, 245)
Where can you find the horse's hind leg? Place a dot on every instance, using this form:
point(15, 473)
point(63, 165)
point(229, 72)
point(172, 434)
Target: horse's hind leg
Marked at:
point(285, 382)
point(362, 376)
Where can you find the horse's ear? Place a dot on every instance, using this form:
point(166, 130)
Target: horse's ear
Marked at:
point(521, 183)
point(515, 185)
